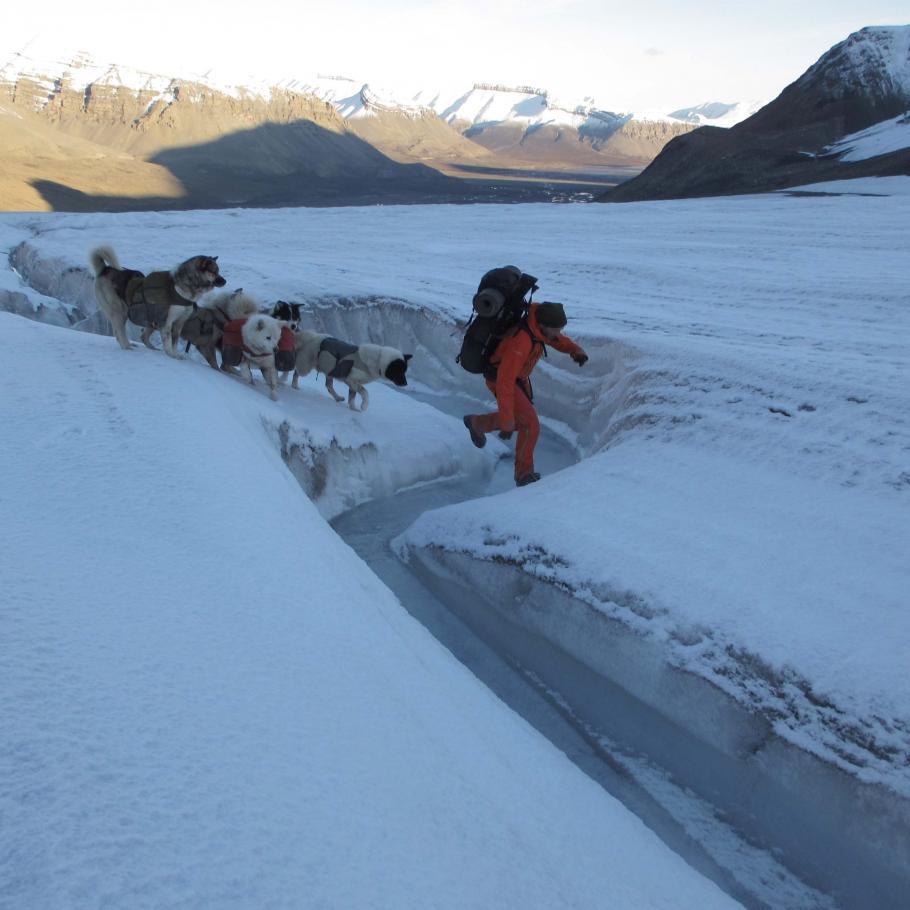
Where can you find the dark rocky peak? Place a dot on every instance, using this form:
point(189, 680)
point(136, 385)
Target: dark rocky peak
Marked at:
point(861, 81)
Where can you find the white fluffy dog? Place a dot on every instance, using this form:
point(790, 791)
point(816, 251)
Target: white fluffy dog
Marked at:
point(354, 364)
point(261, 335)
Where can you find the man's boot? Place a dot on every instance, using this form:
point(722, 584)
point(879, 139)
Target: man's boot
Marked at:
point(477, 438)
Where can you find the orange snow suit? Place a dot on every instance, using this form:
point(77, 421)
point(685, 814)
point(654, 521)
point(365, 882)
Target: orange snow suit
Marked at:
point(509, 380)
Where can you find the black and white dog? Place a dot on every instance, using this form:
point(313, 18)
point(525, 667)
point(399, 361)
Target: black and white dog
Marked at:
point(287, 312)
point(354, 364)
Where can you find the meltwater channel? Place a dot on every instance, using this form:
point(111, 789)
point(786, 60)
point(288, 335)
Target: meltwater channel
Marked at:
point(507, 661)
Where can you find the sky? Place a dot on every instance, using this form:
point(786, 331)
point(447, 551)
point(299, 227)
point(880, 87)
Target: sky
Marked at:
point(656, 55)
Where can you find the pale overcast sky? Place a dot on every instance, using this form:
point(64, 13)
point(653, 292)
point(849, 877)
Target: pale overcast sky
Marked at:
point(651, 55)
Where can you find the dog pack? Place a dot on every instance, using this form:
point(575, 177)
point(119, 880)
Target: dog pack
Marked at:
point(501, 301)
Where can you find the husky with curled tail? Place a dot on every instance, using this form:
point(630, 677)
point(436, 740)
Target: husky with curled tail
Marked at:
point(153, 301)
point(354, 364)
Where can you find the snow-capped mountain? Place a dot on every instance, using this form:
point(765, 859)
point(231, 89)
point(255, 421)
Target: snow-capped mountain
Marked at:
point(716, 113)
point(874, 61)
point(524, 120)
point(859, 82)
point(805, 135)
point(218, 137)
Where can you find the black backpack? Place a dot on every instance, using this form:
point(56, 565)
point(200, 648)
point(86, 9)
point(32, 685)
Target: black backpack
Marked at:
point(499, 304)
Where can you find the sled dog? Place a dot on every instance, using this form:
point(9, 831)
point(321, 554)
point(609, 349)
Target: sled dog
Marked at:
point(154, 301)
point(287, 312)
point(204, 326)
point(355, 365)
point(261, 335)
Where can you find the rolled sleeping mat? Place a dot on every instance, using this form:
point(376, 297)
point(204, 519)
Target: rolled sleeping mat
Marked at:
point(488, 302)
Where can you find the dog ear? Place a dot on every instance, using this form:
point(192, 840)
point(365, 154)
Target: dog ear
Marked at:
point(213, 258)
point(408, 357)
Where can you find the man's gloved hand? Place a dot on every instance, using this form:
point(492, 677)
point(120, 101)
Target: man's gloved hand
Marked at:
point(505, 434)
point(581, 358)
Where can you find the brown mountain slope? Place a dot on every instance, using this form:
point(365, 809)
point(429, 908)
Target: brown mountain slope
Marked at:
point(117, 148)
point(32, 150)
point(634, 143)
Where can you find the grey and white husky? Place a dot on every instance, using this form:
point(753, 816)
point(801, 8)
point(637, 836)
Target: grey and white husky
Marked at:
point(154, 301)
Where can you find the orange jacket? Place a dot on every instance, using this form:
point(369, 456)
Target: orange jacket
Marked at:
point(515, 358)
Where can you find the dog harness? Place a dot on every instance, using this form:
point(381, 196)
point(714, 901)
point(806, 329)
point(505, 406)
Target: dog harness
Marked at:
point(233, 348)
point(149, 297)
point(202, 323)
point(337, 358)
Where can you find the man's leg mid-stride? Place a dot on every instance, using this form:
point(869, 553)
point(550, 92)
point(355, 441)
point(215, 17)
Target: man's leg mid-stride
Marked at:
point(527, 426)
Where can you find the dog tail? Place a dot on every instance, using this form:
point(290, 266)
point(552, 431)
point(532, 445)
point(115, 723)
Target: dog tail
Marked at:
point(101, 258)
point(242, 305)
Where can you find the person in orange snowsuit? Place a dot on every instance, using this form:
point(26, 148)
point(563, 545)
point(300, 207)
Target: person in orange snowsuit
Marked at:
point(509, 379)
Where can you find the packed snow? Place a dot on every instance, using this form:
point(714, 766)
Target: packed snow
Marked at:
point(858, 186)
point(209, 701)
point(882, 138)
point(718, 113)
point(275, 718)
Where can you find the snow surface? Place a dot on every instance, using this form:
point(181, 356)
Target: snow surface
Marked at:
point(743, 502)
point(888, 136)
point(209, 701)
point(718, 113)
point(484, 106)
point(859, 186)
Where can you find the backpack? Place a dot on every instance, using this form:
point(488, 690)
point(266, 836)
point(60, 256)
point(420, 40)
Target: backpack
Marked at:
point(499, 304)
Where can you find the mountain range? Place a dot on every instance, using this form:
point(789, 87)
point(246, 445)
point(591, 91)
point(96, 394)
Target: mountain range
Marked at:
point(82, 135)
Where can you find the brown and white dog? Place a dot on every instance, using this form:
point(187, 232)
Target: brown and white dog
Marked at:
point(154, 301)
point(354, 364)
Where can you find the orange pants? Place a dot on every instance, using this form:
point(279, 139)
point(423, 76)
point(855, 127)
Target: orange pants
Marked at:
point(526, 423)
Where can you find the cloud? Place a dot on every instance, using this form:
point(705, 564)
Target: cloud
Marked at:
point(654, 52)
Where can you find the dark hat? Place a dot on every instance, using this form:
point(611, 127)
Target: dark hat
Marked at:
point(552, 315)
